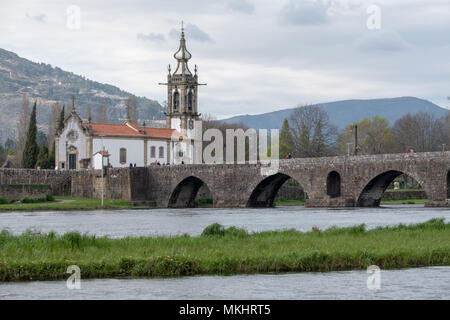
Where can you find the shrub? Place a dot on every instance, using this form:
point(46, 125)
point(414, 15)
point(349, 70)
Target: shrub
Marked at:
point(3, 201)
point(217, 229)
point(50, 198)
point(214, 229)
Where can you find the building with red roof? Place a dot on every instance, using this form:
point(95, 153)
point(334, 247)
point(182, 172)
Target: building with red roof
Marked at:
point(129, 144)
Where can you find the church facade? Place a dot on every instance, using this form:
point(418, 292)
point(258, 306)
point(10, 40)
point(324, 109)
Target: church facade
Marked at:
point(84, 145)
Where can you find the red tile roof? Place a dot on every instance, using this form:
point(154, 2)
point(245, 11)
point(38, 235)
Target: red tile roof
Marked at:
point(109, 129)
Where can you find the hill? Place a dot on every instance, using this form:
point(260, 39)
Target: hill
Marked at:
point(47, 84)
point(347, 111)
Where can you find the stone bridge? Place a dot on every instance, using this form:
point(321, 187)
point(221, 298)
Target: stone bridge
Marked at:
point(344, 181)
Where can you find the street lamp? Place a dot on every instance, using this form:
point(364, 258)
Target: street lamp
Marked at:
point(103, 180)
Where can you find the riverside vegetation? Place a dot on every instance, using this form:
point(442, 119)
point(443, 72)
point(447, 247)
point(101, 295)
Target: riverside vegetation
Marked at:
point(64, 203)
point(223, 251)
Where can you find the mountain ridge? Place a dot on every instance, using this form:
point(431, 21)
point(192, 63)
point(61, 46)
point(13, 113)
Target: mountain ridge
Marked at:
point(48, 84)
point(344, 112)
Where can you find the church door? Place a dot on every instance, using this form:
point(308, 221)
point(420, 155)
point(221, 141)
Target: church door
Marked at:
point(72, 161)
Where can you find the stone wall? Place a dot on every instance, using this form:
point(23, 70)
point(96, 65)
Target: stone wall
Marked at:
point(59, 181)
point(19, 192)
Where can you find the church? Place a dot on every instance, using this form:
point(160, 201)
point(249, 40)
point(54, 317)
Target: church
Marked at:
point(83, 144)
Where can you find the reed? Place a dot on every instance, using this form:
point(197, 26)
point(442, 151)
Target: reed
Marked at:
point(223, 251)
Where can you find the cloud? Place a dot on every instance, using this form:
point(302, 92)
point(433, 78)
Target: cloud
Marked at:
point(381, 40)
point(301, 12)
point(154, 37)
point(241, 6)
point(192, 32)
point(39, 18)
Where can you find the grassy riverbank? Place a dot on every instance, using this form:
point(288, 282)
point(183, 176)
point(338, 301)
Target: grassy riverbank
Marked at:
point(219, 251)
point(67, 203)
point(301, 202)
point(404, 201)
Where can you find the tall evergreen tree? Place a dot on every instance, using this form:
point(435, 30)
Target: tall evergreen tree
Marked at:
point(286, 140)
point(61, 119)
point(30, 152)
point(43, 159)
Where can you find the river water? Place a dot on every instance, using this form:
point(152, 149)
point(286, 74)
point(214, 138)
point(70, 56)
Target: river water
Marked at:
point(192, 221)
point(419, 283)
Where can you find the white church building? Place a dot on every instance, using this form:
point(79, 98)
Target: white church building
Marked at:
point(83, 144)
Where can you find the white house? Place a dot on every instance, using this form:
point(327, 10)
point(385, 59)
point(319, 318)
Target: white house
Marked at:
point(78, 143)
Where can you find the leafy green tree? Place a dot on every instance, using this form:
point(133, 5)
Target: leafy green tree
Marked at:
point(30, 152)
point(374, 137)
point(43, 158)
point(286, 140)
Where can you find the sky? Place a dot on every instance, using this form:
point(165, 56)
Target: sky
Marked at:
point(256, 56)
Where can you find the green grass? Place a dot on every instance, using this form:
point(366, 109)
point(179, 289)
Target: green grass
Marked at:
point(283, 202)
point(203, 203)
point(220, 251)
point(404, 201)
point(73, 204)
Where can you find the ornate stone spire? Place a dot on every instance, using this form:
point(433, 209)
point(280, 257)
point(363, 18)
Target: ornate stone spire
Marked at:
point(182, 56)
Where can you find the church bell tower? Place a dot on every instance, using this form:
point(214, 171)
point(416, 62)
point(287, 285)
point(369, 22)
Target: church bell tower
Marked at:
point(182, 91)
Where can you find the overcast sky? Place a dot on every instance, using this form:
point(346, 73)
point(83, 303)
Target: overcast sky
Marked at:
point(256, 56)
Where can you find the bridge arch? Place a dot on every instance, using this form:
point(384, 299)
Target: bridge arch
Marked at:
point(263, 195)
point(183, 196)
point(334, 184)
point(371, 194)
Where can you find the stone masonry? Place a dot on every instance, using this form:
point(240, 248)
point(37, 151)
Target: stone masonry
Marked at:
point(344, 181)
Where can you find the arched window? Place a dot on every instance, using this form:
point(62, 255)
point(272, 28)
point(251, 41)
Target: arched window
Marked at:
point(189, 100)
point(176, 100)
point(334, 184)
point(161, 152)
point(153, 152)
point(123, 155)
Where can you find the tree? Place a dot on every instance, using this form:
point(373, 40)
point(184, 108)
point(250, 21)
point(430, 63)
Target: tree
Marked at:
point(53, 126)
point(22, 129)
point(132, 109)
point(41, 138)
point(286, 140)
point(102, 116)
point(30, 152)
point(51, 156)
point(43, 159)
point(421, 132)
point(374, 136)
point(89, 114)
point(61, 119)
point(313, 133)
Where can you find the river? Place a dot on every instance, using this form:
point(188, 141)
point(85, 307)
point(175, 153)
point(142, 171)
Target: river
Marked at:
point(124, 223)
point(419, 283)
